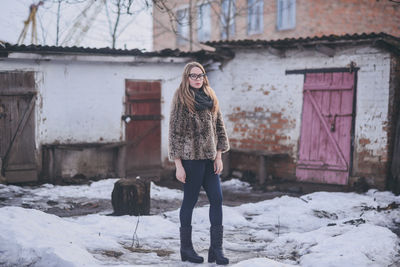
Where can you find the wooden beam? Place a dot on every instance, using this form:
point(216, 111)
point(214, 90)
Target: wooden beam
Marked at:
point(276, 52)
point(325, 50)
point(322, 70)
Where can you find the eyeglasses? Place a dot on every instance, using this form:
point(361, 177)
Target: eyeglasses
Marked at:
point(195, 76)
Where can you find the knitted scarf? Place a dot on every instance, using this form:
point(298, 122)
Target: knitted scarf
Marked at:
point(202, 101)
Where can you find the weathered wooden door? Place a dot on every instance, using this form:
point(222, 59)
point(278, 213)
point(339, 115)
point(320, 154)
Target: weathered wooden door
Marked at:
point(325, 141)
point(17, 126)
point(395, 168)
point(143, 125)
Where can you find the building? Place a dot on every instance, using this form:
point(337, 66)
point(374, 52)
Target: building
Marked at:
point(81, 112)
point(319, 109)
point(175, 27)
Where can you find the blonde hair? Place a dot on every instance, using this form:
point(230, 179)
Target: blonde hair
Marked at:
point(186, 96)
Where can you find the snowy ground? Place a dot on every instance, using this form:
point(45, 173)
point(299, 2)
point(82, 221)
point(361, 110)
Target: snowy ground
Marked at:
point(319, 229)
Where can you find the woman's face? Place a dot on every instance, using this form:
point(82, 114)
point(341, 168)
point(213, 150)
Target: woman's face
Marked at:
point(196, 77)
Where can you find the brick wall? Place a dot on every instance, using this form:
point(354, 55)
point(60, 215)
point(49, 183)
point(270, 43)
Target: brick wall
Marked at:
point(372, 121)
point(262, 106)
point(313, 18)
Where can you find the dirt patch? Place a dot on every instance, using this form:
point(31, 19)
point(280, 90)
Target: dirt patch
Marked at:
point(159, 252)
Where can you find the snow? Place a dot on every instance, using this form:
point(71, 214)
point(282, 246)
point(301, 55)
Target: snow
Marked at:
point(160, 193)
point(318, 229)
point(261, 262)
point(236, 185)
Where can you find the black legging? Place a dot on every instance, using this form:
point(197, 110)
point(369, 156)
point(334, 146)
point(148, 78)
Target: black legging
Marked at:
point(201, 173)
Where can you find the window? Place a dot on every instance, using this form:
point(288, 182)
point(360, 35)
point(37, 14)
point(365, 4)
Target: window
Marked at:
point(182, 26)
point(204, 23)
point(255, 15)
point(228, 19)
point(286, 14)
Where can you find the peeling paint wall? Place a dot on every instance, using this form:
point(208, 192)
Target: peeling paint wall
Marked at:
point(372, 121)
point(82, 102)
point(262, 106)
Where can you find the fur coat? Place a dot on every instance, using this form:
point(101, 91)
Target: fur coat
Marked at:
point(194, 136)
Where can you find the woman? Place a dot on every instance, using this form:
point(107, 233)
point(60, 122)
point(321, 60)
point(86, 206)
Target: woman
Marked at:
point(197, 138)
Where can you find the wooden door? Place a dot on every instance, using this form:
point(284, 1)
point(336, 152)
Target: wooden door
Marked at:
point(395, 168)
point(325, 141)
point(17, 126)
point(143, 125)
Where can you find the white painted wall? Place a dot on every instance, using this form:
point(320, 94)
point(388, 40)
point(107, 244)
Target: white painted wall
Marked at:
point(256, 78)
point(83, 101)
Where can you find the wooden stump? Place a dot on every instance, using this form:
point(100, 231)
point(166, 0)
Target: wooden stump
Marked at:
point(131, 197)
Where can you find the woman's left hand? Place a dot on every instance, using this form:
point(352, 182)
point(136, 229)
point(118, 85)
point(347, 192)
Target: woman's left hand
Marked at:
point(218, 166)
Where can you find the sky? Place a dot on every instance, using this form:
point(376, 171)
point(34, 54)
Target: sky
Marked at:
point(134, 31)
point(314, 230)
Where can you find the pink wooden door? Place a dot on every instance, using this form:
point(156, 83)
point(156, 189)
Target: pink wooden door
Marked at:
point(325, 141)
point(143, 132)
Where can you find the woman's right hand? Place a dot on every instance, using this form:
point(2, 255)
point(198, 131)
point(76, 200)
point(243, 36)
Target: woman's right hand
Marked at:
point(180, 174)
point(180, 171)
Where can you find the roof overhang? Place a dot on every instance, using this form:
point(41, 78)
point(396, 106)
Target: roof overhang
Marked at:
point(323, 44)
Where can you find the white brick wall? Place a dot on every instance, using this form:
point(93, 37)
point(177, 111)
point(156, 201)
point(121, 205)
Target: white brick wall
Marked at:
point(81, 102)
point(256, 78)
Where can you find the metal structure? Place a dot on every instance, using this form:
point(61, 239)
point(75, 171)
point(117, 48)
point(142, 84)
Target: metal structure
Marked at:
point(82, 23)
point(31, 20)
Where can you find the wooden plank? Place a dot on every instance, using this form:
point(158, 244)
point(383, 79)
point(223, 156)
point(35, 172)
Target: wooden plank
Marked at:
point(335, 158)
point(17, 80)
point(21, 176)
point(323, 138)
point(315, 127)
point(321, 176)
point(305, 144)
point(15, 167)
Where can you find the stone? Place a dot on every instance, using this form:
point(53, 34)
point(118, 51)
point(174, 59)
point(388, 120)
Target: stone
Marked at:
point(131, 196)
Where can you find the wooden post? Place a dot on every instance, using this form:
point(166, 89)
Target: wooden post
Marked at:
point(262, 169)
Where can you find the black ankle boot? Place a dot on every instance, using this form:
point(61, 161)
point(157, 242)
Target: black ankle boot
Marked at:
point(215, 252)
point(187, 251)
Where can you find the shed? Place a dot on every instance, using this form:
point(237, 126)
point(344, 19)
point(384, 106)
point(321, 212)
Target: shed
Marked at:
point(72, 112)
point(319, 109)
point(330, 103)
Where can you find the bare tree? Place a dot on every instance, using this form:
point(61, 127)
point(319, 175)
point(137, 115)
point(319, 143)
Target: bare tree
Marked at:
point(225, 12)
point(59, 4)
point(77, 28)
point(119, 9)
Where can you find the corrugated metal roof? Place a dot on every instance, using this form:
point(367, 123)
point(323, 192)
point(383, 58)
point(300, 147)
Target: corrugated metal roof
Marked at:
point(385, 40)
point(390, 41)
point(6, 48)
